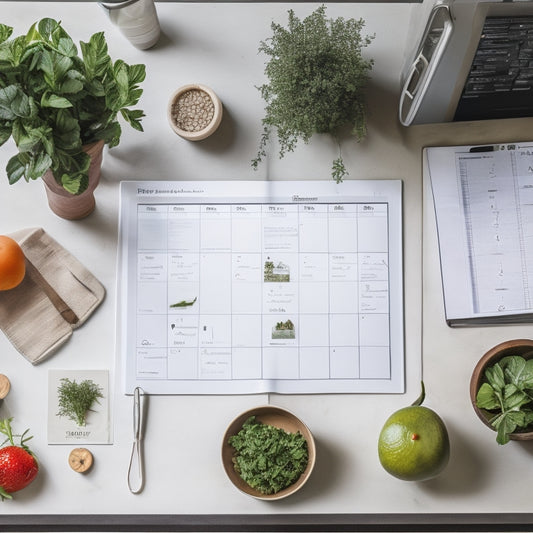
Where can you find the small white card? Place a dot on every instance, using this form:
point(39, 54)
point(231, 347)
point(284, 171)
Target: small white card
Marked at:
point(64, 426)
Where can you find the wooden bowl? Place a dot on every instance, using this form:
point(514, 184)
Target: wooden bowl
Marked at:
point(194, 112)
point(277, 417)
point(522, 347)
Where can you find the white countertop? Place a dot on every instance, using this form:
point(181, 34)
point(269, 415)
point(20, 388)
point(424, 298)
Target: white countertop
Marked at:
point(216, 44)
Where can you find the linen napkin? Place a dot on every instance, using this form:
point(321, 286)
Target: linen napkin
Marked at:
point(57, 295)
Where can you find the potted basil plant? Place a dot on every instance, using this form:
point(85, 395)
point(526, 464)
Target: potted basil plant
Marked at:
point(61, 108)
point(316, 78)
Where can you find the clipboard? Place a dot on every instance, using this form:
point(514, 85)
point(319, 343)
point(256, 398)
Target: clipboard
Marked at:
point(483, 201)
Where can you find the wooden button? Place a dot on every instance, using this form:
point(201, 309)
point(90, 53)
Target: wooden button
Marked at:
point(5, 386)
point(80, 459)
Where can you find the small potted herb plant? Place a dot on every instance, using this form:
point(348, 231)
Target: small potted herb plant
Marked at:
point(61, 108)
point(316, 80)
point(501, 390)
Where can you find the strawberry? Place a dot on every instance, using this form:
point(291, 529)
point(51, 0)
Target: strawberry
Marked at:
point(18, 465)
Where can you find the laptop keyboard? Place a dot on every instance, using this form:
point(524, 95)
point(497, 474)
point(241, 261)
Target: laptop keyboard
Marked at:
point(500, 81)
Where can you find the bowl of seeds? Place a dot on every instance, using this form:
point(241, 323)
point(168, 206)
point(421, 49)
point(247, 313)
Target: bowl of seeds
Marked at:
point(194, 112)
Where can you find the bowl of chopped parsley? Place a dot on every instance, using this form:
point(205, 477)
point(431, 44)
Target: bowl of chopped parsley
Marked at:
point(268, 452)
point(501, 390)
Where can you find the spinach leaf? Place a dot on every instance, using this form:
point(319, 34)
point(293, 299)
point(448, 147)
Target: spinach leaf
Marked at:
point(506, 424)
point(487, 397)
point(518, 371)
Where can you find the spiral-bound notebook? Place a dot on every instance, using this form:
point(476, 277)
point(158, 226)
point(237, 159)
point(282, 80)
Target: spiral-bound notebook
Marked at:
point(483, 199)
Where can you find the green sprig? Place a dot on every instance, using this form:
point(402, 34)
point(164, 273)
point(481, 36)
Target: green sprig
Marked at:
point(5, 429)
point(76, 399)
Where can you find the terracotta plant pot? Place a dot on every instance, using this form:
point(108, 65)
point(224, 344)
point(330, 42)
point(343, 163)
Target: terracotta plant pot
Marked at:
point(76, 206)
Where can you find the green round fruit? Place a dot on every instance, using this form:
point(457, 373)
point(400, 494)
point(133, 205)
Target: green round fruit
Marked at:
point(413, 444)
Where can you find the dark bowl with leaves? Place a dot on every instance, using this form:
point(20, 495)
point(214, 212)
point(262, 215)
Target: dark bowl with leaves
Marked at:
point(268, 452)
point(501, 390)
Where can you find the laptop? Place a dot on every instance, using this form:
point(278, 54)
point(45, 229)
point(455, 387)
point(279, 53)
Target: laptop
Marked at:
point(472, 61)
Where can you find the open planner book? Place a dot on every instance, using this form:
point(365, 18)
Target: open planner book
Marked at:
point(483, 199)
point(248, 287)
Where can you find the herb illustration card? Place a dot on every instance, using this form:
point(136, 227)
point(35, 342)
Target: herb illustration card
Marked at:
point(78, 407)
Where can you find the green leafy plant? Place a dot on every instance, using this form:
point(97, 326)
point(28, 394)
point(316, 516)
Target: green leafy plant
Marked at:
point(53, 101)
point(268, 458)
point(76, 399)
point(508, 395)
point(316, 80)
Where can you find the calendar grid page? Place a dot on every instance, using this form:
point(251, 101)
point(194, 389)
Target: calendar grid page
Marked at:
point(256, 290)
